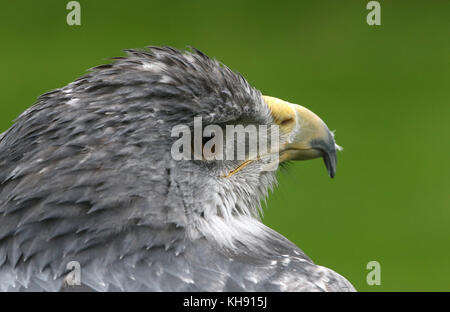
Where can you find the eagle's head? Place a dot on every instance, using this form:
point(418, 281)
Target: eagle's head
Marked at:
point(189, 106)
point(133, 148)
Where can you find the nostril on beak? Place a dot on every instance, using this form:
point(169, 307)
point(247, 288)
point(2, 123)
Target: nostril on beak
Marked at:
point(287, 121)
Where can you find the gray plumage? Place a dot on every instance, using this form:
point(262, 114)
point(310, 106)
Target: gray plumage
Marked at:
point(86, 175)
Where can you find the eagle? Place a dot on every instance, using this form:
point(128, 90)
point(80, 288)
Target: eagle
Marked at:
point(88, 176)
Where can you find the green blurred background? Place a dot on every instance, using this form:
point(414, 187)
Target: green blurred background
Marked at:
point(386, 89)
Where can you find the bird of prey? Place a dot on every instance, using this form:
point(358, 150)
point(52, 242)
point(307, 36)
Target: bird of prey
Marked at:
point(87, 176)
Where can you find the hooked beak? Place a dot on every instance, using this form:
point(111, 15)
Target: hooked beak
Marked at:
point(304, 134)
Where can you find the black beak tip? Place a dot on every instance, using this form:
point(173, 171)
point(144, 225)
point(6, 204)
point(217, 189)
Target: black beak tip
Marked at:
point(330, 163)
point(327, 150)
point(331, 174)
